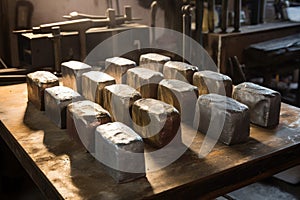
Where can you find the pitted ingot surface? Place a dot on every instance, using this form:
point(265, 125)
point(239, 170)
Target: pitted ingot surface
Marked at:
point(93, 83)
point(37, 82)
point(153, 61)
point(72, 74)
point(183, 96)
point(213, 109)
point(118, 100)
point(121, 150)
point(180, 71)
point(212, 82)
point(145, 81)
point(156, 121)
point(264, 103)
point(82, 119)
point(117, 68)
point(56, 101)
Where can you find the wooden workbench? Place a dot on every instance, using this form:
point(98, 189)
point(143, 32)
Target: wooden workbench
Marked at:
point(62, 169)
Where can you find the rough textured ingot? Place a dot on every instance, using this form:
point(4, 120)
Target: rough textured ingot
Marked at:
point(56, 101)
point(156, 121)
point(264, 103)
point(153, 61)
point(93, 83)
point(121, 150)
point(118, 100)
point(72, 74)
point(180, 71)
point(183, 96)
point(37, 82)
point(145, 81)
point(117, 68)
point(82, 119)
point(212, 110)
point(212, 82)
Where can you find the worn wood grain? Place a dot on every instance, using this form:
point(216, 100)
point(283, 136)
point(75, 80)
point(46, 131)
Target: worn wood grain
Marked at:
point(64, 170)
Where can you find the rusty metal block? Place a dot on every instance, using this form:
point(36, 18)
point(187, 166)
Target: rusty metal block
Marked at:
point(37, 82)
point(121, 150)
point(156, 121)
point(56, 101)
point(93, 83)
point(145, 81)
point(264, 103)
point(213, 110)
point(212, 82)
point(72, 74)
point(82, 119)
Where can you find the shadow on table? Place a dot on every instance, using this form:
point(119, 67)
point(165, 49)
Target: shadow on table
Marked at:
point(73, 171)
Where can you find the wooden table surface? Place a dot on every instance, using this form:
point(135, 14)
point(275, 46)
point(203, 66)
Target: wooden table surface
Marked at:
point(62, 169)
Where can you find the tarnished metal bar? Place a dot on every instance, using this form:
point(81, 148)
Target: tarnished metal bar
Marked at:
point(56, 38)
point(187, 20)
point(224, 19)
point(211, 15)
point(237, 15)
point(153, 21)
point(199, 20)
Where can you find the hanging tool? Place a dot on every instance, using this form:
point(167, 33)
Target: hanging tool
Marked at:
point(56, 39)
point(199, 20)
point(153, 12)
point(211, 15)
point(224, 19)
point(187, 21)
point(237, 15)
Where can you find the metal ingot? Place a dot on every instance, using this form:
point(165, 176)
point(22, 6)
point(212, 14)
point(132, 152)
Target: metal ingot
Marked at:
point(56, 101)
point(215, 111)
point(145, 81)
point(117, 68)
point(37, 82)
point(93, 83)
point(183, 96)
point(121, 150)
point(212, 82)
point(72, 74)
point(82, 119)
point(264, 103)
point(156, 121)
point(118, 100)
point(153, 61)
point(180, 71)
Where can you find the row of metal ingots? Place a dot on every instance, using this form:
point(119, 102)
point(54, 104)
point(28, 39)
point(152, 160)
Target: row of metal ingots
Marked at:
point(128, 105)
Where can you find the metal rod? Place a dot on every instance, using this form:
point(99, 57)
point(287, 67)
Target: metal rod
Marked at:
point(56, 38)
point(153, 22)
point(187, 20)
point(199, 20)
point(118, 7)
point(3, 63)
point(262, 12)
point(224, 19)
point(237, 15)
point(211, 15)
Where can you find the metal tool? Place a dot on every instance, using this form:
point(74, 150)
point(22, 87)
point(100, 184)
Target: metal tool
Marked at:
point(187, 21)
point(237, 15)
point(199, 20)
point(56, 39)
point(153, 11)
point(224, 20)
point(77, 15)
point(211, 15)
point(82, 25)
